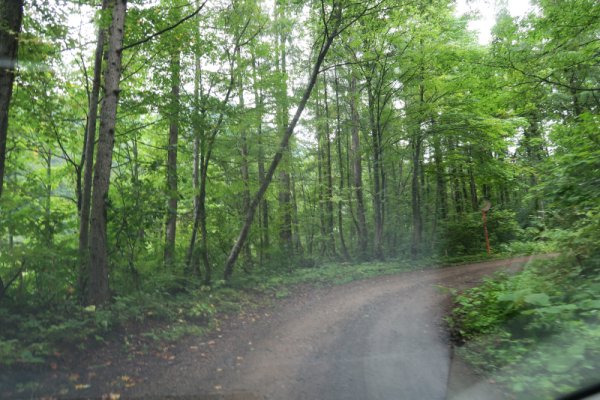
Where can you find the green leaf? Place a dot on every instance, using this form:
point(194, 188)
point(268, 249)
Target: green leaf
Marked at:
point(537, 299)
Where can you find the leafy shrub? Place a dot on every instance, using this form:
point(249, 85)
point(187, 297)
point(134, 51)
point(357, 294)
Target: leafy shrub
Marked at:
point(537, 331)
point(466, 236)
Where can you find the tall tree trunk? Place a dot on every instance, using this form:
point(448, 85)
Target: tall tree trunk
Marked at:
point(338, 139)
point(172, 193)
point(320, 192)
point(298, 249)
point(203, 229)
point(285, 213)
point(377, 186)
point(192, 265)
point(98, 290)
point(11, 18)
point(192, 261)
point(417, 218)
point(440, 179)
point(285, 196)
point(264, 207)
point(329, 175)
point(283, 145)
point(362, 233)
point(417, 222)
point(441, 200)
point(244, 169)
point(90, 141)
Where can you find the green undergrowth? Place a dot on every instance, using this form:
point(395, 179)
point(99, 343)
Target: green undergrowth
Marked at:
point(32, 337)
point(326, 274)
point(536, 332)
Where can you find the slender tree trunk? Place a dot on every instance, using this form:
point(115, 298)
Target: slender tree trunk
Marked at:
point(338, 139)
point(98, 290)
point(362, 233)
point(203, 229)
point(298, 249)
point(463, 185)
point(90, 141)
point(440, 178)
point(172, 192)
point(285, 211)
point(244, 169)
point(205, 151)
point(417, 218)
point(191, 261)
point(237, 246)
point(11, 18)
point(417, 222)
point(441, 200)
point(455, 182)
point(192, 264)
point(377, 189)
point(285, 196)
point(320, 192)
point(329, 176)
point(264, 207)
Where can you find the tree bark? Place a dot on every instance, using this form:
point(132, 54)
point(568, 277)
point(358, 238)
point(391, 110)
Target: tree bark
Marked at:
point(417, 222)
point(11, 19)
point(329, 176)
point(244, 168)
point(264, 206)
point(440, 178)
point(90, 141)
point(285, 195)
point(377, 176)
point(362, 233)
point(172, 193)
point(192, 265)
point(417, 140)
point(320, 195)
point(98, 291)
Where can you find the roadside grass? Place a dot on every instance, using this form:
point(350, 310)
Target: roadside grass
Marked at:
point(323, 275)
point(535, 332)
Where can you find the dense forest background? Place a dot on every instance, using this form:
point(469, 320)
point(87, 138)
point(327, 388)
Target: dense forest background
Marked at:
point(178, 144)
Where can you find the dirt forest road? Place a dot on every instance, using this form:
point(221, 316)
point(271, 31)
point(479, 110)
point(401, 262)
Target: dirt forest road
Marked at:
point(381, 338)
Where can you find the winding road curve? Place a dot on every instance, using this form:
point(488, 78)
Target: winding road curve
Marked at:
point(381, 338)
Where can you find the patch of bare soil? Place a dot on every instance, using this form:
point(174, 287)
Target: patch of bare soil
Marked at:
point(381, 338)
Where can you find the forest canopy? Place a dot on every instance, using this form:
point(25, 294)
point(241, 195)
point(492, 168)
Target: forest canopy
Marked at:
point(150, 143)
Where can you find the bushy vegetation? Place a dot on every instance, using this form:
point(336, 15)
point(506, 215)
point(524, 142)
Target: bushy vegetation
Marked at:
point(465, 236)
point(538, 331)
point(36, 335)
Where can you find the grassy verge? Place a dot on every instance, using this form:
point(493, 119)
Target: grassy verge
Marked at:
point(537, 332)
